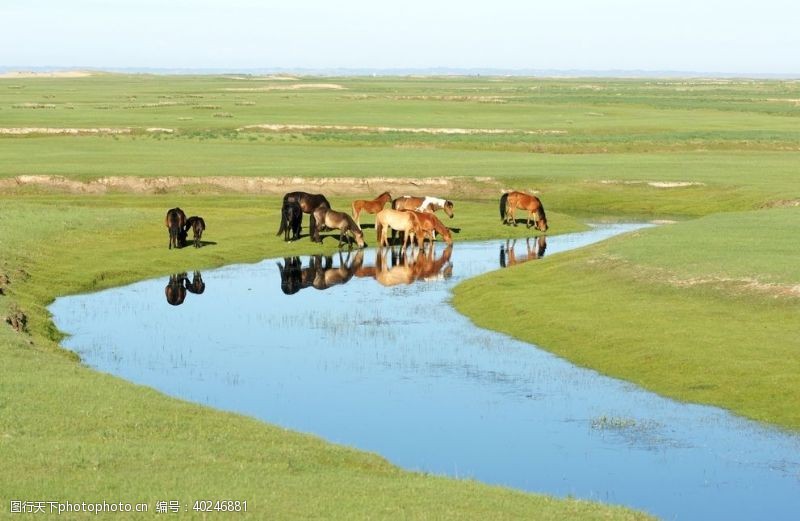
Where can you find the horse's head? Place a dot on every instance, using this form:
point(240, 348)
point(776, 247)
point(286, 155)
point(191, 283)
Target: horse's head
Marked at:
point(448, 208)
point(541, 222)
point(359, 235)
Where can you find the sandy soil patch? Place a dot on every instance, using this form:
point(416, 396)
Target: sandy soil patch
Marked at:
point(654, 184)
point(22, 131)
point(13, 75)
point(271, 77)
point(296, 86)
point(255, 185)
point(281, 127)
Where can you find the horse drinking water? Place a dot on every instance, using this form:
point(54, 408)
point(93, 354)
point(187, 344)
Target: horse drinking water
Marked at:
point(338, 221)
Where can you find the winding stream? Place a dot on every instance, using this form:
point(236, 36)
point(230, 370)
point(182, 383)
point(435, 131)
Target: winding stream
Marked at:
point(366, 351)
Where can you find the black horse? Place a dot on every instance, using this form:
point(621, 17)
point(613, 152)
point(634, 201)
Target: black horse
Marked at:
point(175, 222)
point(308, 203)
point(197, 225)
point(292, 216)
point(197, 286)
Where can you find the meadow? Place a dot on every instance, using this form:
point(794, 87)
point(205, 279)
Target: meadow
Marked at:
point(705, 309)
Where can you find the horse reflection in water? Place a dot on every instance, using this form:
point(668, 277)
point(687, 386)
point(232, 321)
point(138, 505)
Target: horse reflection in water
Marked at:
point(319, 274)
point(409, 268)
point(535, 250)
point(179, 284)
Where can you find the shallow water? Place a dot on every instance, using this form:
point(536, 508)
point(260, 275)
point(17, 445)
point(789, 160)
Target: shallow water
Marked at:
point(372, 356)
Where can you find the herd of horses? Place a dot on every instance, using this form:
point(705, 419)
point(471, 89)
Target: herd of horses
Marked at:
point(412, 217)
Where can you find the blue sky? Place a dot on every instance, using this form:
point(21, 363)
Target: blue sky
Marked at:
point(699, 36)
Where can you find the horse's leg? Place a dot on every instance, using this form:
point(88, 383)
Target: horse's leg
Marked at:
point(528, 222)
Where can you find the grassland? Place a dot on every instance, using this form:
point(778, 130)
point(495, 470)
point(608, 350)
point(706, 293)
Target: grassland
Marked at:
point(703, 310)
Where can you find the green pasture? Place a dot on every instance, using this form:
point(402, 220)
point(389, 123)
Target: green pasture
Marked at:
point(704, 310)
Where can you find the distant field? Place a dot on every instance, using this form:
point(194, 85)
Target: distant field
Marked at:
point(701, 310)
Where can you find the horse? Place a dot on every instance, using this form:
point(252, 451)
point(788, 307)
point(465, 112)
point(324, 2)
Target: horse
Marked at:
point(292, 216)
point(431, 225)
point(373, 207)
point(428, 268)
point(197, 225)
point(338, 221)
point(400, 273)
point(308, 203)
point(197, 286)
point(510, 201)
point(175, 221)
point(423, 204)
point(175, 291)
point(327, 276)
point(397, 220)
point(291, 275)
point(508, 256)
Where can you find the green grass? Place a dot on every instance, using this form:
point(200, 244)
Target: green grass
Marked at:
point(702, 310)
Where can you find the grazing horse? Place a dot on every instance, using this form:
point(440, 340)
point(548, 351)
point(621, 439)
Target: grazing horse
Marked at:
point(197, 225)
point(291, 221)
point(175, 291)
point(374, 206)
point(508, 257)
point(308, 203)
point(406, 222)
point(423, 204)
point(510, 201)
point(175, 221)
point(338, 221)
point(431, 225)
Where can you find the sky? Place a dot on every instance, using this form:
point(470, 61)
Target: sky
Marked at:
point(724, 36)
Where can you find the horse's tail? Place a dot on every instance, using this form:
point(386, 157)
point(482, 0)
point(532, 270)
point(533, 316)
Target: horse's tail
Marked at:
point(503, 206)
point(353, 207)
point(284, 224)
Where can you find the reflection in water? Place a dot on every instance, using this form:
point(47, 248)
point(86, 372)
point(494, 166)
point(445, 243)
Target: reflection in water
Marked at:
point(535, 250)
point(179, 284)
point(396, 371)
point(399, 268)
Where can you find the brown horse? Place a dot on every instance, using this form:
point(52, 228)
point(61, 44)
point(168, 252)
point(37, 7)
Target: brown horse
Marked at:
point(508, 257)
point(308, 203)
point(175, 291)
point(175, 222)
point(373, 207)
point(406, 222)
point(510, 201)
point(423, 204)
point(338, 221)
point(197, 225)
point(291, 221)
point(431, 225)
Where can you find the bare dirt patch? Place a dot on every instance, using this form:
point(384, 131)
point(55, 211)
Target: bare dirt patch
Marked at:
point(15, 75)
point(451, 186)
point(287, 127)
point(296, 86)
point(654, 184)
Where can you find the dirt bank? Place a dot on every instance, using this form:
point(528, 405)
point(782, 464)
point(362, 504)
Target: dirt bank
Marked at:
point(449, 187)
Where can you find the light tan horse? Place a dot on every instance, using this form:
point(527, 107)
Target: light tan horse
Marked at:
point(401, 273)
point(510, 201)
point(373, 207)
point(338, 221)
point(430, 226)
point(406, 222)
point(423, 204)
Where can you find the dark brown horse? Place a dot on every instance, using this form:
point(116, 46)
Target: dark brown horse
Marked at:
point(308, 203)
point(197, 225)
point(510, 201)
point(175, 222)
point(292, 215)
point(197, 286)
point(175, 291)
point(373, 207)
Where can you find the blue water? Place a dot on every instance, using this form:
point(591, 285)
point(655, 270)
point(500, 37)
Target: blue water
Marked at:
point(395, 370)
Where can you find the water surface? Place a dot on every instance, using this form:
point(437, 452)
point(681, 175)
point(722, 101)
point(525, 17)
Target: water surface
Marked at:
point(366, 351)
